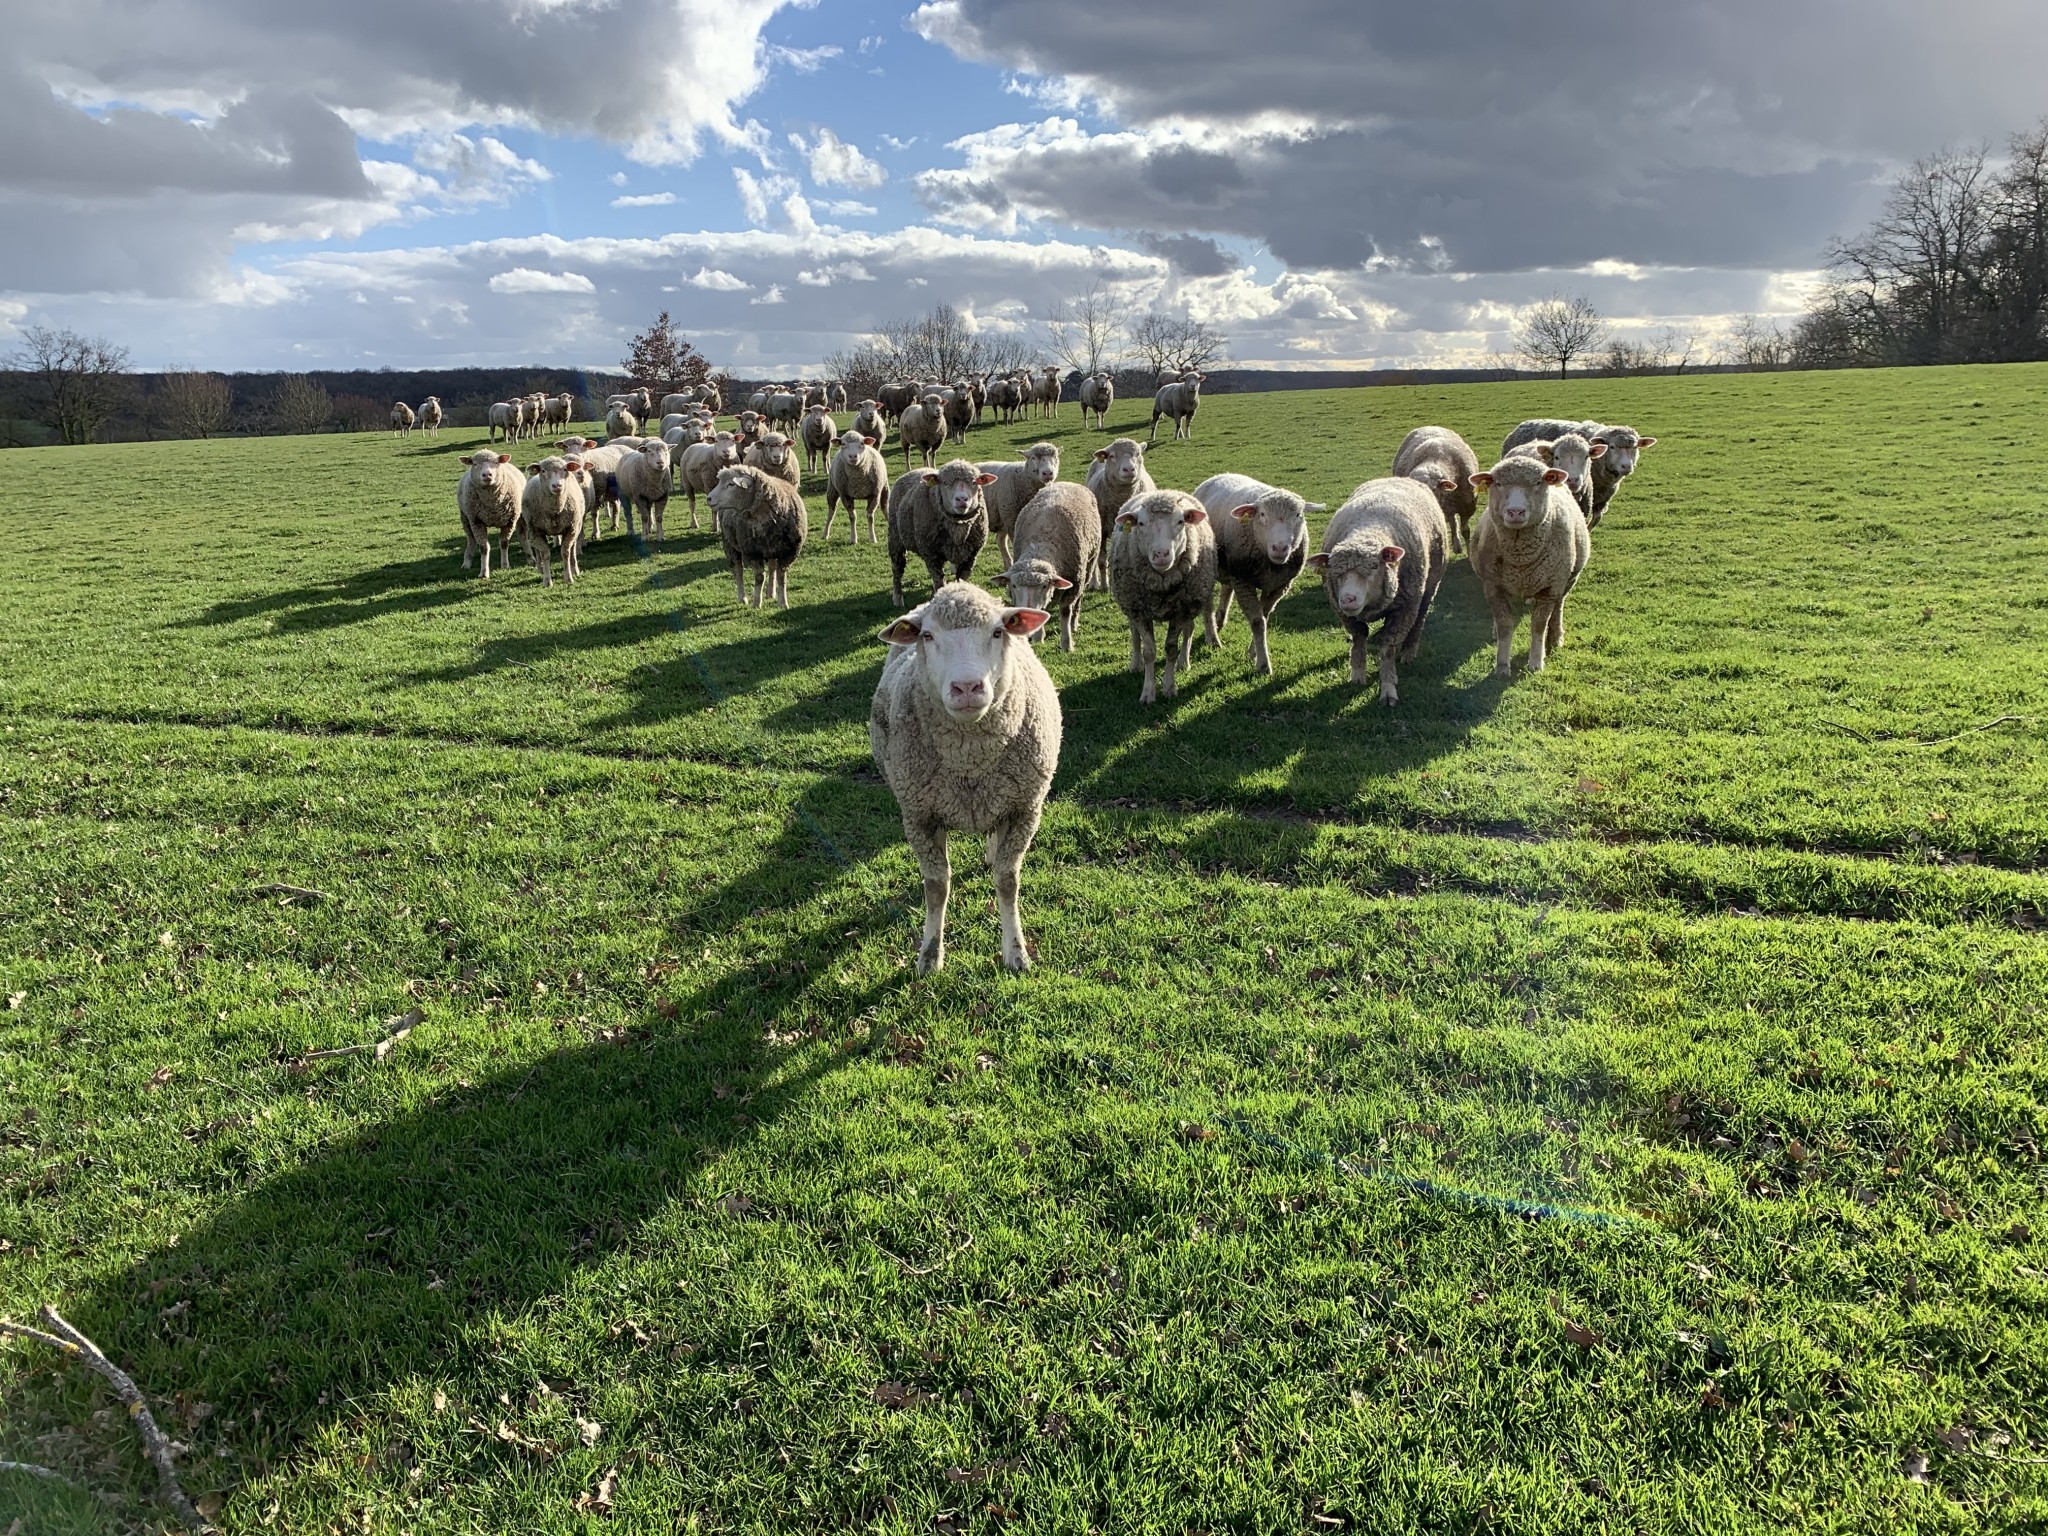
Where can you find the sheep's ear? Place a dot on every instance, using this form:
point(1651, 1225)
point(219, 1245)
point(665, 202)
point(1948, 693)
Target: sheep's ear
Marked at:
point(573, 464)
point(1127, 519)
point(1244, 514)
point(1319, 562)
point(1555, 477)
point(930, 477)
point(1596, 451)
point(1060, 584)
point(1447, 485)
point(1194, 515)
point(1024, 622)
point(1393, 554)
point(903, 631)
point(469, 458)
point(1141, 449)
point(1547, 452)
point(1482, 481)
point(1646, 442)
point(1101, 453)
point(984, 479)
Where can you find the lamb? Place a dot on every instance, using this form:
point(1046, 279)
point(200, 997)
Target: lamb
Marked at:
point(620, 422)
point(1059, 544)
point(1045, 390)
point(870, 423)
point(401, 419)
point(784, 408)
point(1531, 545)
point(1572, 454)
point(551, 507)
point(1261, 545)
point(857, 472)
point(1098, 393)
point(500, 421)
point(817, 433)
point(772, 456)
point(1117, 475)
point(699, 469)
point(1383, 557)
point(488, 497)
point(939, 515)
point(965, 728)
point(1179, 401)
point(1162, 567)
point(643, 481)
point(1016, 482)
point(1007, 397)
point(430, 414)
point(762, 522)
point(1442, 463)
point(1613, 467)
point(922, 428)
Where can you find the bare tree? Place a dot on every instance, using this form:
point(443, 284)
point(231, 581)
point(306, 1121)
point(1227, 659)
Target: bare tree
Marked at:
point(940, 344)
point(1179, 342)
point(300, 404)
point(1914, 272)
point(79, 381)
point(1558, 330)
point(194, 404)
point(1756, 344)
point(1086, 331)
point(360, 413)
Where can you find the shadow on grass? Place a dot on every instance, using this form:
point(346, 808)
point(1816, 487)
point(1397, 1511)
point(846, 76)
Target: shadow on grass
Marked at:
point(404, 587)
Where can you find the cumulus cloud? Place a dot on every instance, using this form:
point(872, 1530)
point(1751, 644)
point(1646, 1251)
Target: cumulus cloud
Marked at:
point(717, 281)
point(772, 296)
point(645, 200)
point(834, 163)
point(847, 208)
point(530, 280)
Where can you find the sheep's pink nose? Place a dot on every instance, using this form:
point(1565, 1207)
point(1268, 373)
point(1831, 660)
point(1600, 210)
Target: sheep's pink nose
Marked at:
point(967, 692)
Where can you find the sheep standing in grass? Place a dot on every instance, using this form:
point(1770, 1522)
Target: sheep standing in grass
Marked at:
point(488, 498)
point(401, 420)
point(1016, 482)
point(1261, 545)
point(965, 728)
point(643, 481)
point(551, 507)
point(1530, 545)
point(773, 455)
point(620, 422)
point(1624, 444)
point(698, 472)
point(430, 415)
point(857, 472)
point(1162, 569)
point(1442, 463)
point(959, 405)
point(817, 433)
point(1117, 475)
point(1059, 545)
point(870, 423)
point(1006, 398)
point(1098, 393)
point(922, 429)
point(1045, 390)
point(561, 408)
point(499, 421)
point(1572, 454)
point(1178, 402)
point(941, 516)
point(749, 427)
point(1383, 558)
point(763, 524)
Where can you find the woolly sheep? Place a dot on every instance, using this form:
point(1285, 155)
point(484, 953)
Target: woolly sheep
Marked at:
point(1007, 397)
point(958, 405)
point(749, 427)
point(430, 414)
point(1383, 558)
point(601, 463)
point(1016, 482)
point(773, 456)
point(678, 401)
point(698, 470)
point(965, 727)
point(669, 423)
point(1624, 444)
point(560, 409)
point(784, 408)
point(1261, 545)
point(895, 398)
point(762, 523)
point(1570, 453)
point(870, 423)
point(1442, 463)
point(552, 507)
point(1098, 393)
point(939, 515)
point(922, 429)
point(1117, 475)
point(710, 398)
point(401, 419)
point(1179, 401)
point(1529, 545)
point(818, 433)
point(1059, 544)
point(1045, 390)
point(499, 421)
point(620, 422)
point(1162, 569)
point(643, 481)
point(835, 399)
point(487, 496)
point(857, 472)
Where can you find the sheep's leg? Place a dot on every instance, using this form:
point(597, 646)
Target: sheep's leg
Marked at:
point(871, 521)
point(1542, 612)
point(1556, 627)
point(1167, 687)
point(929, 845)
point(1390, 691)
point(484, 562)
point(1137, 648)
point(468, 544)
point(1412, 646)
point(1070, 622)
point(897, 560)
point(1007, 845)
point(937, 568)
point(1256, 613)
point(542, 560)
point(655, 512)
point(1187, 643)
point(762, 576)
point(1219, 613)
point(782, 585)
point(1503, 632)
point(831, 512)
point(1358, 653)
point(572, 556)
point(1150, 692)
point(739, 582)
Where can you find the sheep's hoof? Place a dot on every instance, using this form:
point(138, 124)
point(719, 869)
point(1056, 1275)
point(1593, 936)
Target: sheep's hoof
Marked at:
point(931, 957)
point(1018, 962)
point(1146, 695)
point(1388, 696)
point(1506, 671)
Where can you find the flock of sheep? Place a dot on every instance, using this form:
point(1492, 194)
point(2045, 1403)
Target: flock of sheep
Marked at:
point(965, 724)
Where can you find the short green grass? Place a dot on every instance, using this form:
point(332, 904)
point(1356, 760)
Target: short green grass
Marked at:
point(1607, 1101)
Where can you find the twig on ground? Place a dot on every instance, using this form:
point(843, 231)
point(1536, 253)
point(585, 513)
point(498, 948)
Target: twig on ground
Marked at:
point(68, 1340)
point(291, 892)
point(1846, 730)
point(932, 1269)
point(1988, 725)
point(35, 1471)
point(395, 1030)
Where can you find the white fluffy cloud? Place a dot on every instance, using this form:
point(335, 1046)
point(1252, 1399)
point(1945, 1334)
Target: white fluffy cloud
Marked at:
point(835, 163)
point(645, 200)
point(529, 280)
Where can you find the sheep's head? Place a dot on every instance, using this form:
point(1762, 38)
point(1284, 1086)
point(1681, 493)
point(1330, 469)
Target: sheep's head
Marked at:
point(1031, 583)
point(853, 444)
point(1516, 489)
point(1362, 578)
point(963, 640)
point(1278, 521)
point(655, 452)
point(485, 462)
point(735, 491)
point(1125, 458)
point(1042, 463)
point(772, 452)
point(1158, 522)
point(957, 486)
point(555, 473)
point(1623, 444)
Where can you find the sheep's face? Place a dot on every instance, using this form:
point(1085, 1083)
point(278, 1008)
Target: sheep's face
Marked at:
point(1363, 590)
point(655, 452)
point(734, 492)
point(852, 445)
point(1158, 525)
point(484, 463)
point(1278, 524)
point(1125, 458)
point(772, 452)
point(1515, 490)
point(1031, 583)
point(1042, 463)
point(957, 487)
point(555, 474)
point(1623, 444)
point(1572, 454)
point(963, 649)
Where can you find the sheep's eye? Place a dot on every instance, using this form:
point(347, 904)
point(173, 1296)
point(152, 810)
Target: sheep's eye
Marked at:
point(926, 635)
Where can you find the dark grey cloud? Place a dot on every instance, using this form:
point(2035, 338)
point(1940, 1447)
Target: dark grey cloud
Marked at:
point(1336, 131)
point(1190, 255)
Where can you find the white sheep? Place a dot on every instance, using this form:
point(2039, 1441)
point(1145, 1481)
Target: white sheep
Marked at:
point(773, 455)
point(699, 467)
point(762, 523)
point(1529, 545)
point(857, 472)
point(1178, 401)
point(1442, 463)
point(487, 497)
point(401, 420)
point(1059, 544)
point(817, 433)
point(500, 420)
point(1570, 453)
point(939, 515)
point(1162, 569)
point(965, 727)
point(1045, 390)
point(1098, 393)
point(1261, 545)
point(552, 507)
point(1117, 475)
point(922, 429)
point(1016, 482)
point(1624, 444)
point(643, 481)
point(1383, 558)
point(870, 423)
point(619, 422)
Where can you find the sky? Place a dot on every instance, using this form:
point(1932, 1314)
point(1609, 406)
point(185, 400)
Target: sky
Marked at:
point(264, 184)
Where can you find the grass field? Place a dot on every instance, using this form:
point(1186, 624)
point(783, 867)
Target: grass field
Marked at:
point(1607, 1101)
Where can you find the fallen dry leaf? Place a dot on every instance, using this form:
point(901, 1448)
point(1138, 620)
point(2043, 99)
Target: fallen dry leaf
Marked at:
point(208, 1504)
point(1711, 1398)
point(159, 1077)
point(895, 1394)
point(1590, 786)
point(1581, 1335)
point(589, 1431)
point(15, 1000)
point(1915, 1467)
point(440, 1401)
point(1957, 1439)
point(1193, 1131)
point(599, 1500)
